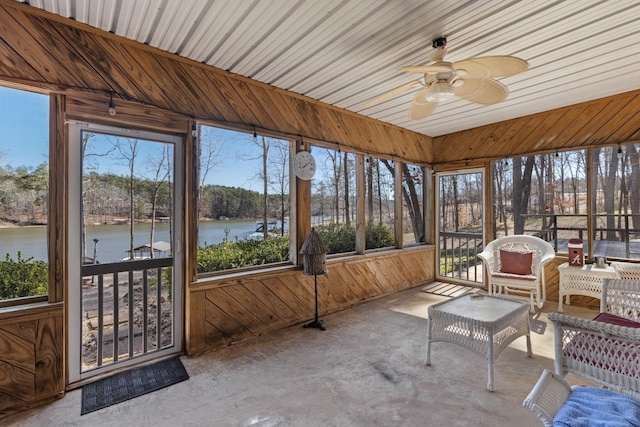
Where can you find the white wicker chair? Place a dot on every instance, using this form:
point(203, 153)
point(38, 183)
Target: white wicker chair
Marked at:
point(606, 353)
point(530, 286)
point(627, 270)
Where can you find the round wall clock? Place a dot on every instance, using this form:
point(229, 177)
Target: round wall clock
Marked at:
point(304, 165)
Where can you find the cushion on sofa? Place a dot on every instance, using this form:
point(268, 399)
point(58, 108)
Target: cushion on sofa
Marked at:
point(616, 320)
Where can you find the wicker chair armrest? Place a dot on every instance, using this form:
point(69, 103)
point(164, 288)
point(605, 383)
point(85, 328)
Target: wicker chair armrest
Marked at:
point(547, 397)
point(547, 257)
point(486, 255)
point(489, 260)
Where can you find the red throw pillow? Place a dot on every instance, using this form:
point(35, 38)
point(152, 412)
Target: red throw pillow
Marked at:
point(516, 262)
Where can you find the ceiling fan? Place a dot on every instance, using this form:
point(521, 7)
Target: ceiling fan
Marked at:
point(471, 79)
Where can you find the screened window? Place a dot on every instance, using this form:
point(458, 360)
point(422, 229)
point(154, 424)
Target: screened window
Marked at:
point(616, 201)
point(543, 195)
point(379, 202)
point(244, 201)
point(24, 190)
point(547, 195)
point(413, 204)
point(333, 199)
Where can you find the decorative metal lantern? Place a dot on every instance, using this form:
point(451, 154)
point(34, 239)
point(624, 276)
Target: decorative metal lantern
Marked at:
point(314, 250)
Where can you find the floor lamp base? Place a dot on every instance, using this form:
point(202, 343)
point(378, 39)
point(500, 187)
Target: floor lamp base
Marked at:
point(315, 324)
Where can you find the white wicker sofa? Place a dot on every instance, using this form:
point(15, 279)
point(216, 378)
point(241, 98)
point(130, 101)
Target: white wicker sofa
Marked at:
point(605, 350)
point(514, 265)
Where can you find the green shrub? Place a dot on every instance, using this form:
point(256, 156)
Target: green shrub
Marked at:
point(23, 277)
point(342, 237)
point(243, 253)
point(378, 236)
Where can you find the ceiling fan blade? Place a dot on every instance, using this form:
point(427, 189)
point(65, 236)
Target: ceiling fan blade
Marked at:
point(482, 91)
point(491, 66)
point(420, 107)
point(428, 69)
point(392, 93)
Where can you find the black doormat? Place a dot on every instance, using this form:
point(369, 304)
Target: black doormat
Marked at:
point(133, 383)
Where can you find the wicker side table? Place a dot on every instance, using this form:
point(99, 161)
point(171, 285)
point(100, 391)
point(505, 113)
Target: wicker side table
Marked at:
point(486, 325)
point(585, 280)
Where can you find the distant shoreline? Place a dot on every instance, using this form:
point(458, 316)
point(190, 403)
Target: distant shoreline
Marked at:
point(11, 225)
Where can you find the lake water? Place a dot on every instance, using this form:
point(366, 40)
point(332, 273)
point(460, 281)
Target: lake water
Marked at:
point(113, 240)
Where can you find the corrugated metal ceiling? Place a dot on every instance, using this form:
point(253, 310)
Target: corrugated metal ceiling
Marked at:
point(345, 52)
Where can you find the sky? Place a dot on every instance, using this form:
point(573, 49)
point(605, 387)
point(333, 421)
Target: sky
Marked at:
point(24, 134)
point(24, 128)
point(24, 139)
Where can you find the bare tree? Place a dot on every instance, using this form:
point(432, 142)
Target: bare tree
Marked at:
point(410, 197)
point(281, 184)
point(369, 173)
point(128, 151)
point(499, 181)
point(161, 172)
point(412, 201)
point(90, 158)
point(634, 196)
point(521, 191)
point(209, 154)
point(333, 157)
point(611, 171)
point(347, 213)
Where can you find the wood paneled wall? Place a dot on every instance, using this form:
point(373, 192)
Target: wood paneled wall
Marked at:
point(228, 310)
point(606, 121)
point(31, 349)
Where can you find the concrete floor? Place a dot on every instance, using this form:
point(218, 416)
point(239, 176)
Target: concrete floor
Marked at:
point(366, 369)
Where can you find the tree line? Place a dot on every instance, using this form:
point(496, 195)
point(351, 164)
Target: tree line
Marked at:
point(24, 196)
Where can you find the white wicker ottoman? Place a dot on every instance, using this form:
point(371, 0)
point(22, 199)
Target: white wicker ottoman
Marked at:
point(483, 324)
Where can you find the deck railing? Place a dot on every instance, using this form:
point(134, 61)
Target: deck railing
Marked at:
point(458, 258)
point(458, 249)
point(123, 310)
point(620, 240)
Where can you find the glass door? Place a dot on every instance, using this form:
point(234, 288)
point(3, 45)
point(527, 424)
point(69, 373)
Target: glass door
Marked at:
point(460, 213)
point(125, 299)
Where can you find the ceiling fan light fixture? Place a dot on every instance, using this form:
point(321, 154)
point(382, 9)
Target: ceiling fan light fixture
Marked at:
point(438, 92)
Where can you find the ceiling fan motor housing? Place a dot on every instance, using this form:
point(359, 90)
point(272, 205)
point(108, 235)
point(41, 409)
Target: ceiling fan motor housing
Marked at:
point(439, 91)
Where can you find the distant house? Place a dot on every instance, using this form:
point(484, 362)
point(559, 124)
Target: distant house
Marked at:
point(160, 250)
